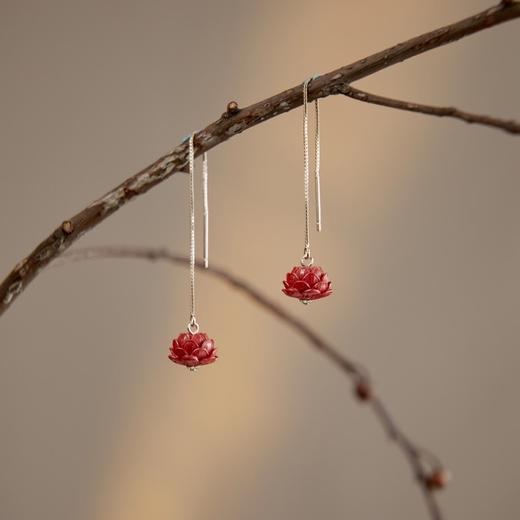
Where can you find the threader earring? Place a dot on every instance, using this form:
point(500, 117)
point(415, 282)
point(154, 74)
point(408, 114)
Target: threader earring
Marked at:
point(308, 282)
point(194, 348)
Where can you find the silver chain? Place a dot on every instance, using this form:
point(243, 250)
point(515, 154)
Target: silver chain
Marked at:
point(193, 326)
point(307, 258)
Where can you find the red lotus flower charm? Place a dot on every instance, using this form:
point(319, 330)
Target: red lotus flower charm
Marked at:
point(193, 350)
point(307, 283)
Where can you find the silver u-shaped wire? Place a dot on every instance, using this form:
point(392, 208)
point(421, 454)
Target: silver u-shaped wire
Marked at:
point(193, 326)
point(317, 178)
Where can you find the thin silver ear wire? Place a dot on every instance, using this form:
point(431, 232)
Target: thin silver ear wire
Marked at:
point(205, 207)
point(307, 258)
point(317, 180)
point(193, 326)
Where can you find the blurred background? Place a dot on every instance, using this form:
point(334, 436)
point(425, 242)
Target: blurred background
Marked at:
point(421, 227)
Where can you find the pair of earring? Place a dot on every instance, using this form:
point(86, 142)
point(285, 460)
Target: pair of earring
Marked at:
point(305, 282)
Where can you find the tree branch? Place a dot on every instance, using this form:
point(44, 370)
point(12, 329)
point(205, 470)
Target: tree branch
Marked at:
point(425, 466)
point(510, 126)
point(231, 123)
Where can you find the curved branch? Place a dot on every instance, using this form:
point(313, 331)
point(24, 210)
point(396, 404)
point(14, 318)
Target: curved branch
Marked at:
point(425, 466)
point(510, 126)
point(233, 122)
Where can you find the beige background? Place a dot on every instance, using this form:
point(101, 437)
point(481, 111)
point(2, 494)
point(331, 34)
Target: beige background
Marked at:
point(421, 240)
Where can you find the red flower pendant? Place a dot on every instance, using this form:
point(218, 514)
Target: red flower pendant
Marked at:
point(193, 350)
point(307, 283)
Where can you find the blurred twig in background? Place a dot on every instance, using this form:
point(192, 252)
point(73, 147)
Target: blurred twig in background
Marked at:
point(426, 467)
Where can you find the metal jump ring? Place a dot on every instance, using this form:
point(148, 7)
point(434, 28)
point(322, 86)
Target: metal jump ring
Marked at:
point(306, 259)
point(193, 326)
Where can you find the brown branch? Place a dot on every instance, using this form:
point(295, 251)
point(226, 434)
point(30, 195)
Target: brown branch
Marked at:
point(231, 123)
point(510, 126)
point(424, 465)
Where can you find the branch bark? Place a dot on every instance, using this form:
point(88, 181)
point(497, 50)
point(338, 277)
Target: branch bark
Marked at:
point(422, 462)
point(510, 126)
point(228, 125)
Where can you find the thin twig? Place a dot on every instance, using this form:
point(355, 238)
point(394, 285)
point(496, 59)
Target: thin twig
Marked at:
point(231, 123)
point(507, 125)
point(422, 462)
